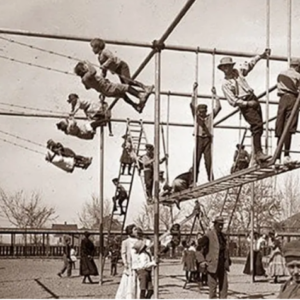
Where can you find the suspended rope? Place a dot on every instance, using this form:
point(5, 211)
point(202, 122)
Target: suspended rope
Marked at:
point(195, 99)
point(24, 147)
point(36, 65)
point(267, 76)
point(212, 111)
point(42, 50)
point(22, 139)
point(38, 48)
point(289, 34)
point(30, 108)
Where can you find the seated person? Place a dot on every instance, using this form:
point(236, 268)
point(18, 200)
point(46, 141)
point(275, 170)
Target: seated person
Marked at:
point(175, 240)
point(59, 149)
point(65, 163)
point(241, 159)
point(85, 131)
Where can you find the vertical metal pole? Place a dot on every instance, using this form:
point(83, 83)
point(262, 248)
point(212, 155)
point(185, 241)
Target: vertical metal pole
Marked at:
point(252, 231)
point(195, 95)
point(156, 168)
point(267, 77)
point(101, 244)
point(212, 110)
point(289, 40)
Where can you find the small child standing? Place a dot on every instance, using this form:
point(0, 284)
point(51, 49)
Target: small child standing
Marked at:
point(114, 258)
point(143, 267)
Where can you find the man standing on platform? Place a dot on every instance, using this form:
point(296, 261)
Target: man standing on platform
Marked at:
point(204, 132)
point(216, 259)
point(238, 93)
point(288, 84)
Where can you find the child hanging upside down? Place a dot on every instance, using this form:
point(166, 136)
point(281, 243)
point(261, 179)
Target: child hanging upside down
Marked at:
point(85, 131)
point(91, 80)
point(91, 109)
point(58, 149)
point(108, 61)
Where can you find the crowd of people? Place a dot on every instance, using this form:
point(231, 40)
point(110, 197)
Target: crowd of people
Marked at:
point(205, 261)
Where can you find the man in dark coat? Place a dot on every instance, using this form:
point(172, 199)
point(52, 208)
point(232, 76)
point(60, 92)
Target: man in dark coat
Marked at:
point(216, 259)
point(87, 264)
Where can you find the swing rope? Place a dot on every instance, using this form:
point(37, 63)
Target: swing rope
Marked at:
point(22, 139)
point(212, 111)
point(24, 147)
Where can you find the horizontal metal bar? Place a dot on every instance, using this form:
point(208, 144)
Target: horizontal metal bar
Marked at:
point(138, 44)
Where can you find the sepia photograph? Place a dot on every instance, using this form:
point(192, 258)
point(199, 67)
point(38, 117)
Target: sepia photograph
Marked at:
point(150, 149)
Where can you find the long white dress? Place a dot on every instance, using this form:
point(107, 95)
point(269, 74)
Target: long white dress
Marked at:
point(129, 285)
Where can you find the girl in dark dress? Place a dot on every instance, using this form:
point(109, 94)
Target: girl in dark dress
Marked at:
point(87, 265)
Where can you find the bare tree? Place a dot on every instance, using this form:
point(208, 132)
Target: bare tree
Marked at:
point(145, 219)
point(289, 193)
point(90, 215)
point(25, 211)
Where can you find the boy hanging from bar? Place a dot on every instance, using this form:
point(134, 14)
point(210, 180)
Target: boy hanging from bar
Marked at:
point(288, 85)
point(239, 93)
point(85, 130)
point(241, 159)
point(91, 80)
point(204, 132)
point(58, 149)
point(147, 164)
point(121, 196)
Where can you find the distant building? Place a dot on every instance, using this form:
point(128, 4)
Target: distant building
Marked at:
point(58, 239)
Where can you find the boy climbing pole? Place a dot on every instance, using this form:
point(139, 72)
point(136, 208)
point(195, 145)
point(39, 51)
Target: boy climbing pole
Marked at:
point(91, 80)
point(204, 132)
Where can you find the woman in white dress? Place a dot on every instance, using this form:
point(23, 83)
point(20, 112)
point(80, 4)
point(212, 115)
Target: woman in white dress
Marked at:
point(129, 288)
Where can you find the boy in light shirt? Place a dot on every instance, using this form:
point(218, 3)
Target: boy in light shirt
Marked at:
point(143, 267)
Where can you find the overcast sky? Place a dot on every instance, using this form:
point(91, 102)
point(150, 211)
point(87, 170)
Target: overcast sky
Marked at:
point(238, 25)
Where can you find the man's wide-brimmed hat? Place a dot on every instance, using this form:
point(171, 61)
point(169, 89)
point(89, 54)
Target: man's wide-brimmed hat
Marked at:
point(219, 220)
point(291, 251)
point(225, 61)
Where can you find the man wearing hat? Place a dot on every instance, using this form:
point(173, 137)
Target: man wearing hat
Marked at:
point(241, 159)
point(291, 288)
point(146, 162)
point(216, 259)
point(288, 84)
point(239, 93)
point(204, 133)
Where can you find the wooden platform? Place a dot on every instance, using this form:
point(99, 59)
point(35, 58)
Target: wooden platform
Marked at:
point(242, 177)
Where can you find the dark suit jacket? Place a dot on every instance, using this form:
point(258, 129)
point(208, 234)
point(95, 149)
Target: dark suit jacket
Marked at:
point(210, 242)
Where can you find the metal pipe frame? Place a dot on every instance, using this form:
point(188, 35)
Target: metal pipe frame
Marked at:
point(141, 45)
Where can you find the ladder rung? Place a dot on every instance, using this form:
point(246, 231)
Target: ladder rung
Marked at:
point(135, 130)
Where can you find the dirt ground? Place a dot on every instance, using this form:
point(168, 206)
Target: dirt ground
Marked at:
point(37, 279)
